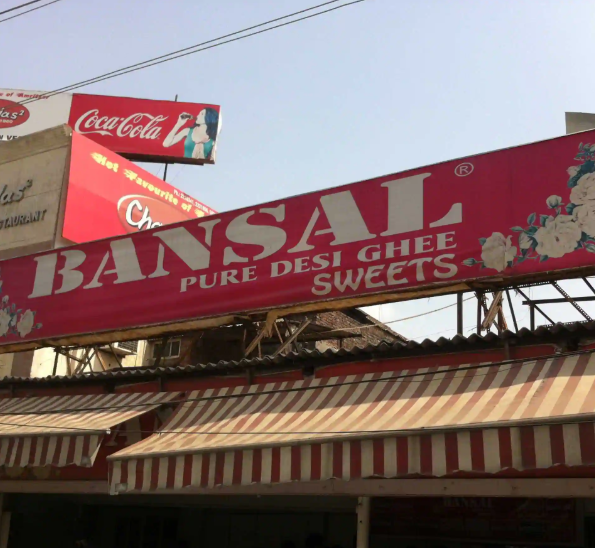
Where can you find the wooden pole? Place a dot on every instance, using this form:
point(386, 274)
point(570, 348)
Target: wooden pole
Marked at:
point(363, 522)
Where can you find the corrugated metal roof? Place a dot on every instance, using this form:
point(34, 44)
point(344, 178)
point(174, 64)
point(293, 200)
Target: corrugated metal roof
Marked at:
point(315, 358)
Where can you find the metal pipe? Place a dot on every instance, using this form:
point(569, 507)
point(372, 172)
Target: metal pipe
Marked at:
point(479, 297)
point(532, 303)
point(459, 314)
point(516, 327)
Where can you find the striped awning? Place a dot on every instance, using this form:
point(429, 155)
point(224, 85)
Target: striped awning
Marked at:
point(440, 421)
point(65, 430)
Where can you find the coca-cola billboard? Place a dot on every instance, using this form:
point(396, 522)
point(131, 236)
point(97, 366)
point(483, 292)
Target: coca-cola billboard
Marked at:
point(149, 130)
point(111, 196)
point(138, 129)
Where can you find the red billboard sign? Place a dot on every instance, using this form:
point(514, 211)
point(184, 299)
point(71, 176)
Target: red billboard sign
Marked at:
point(12, 114)
point(148, 130)
point(110, 196)
point(496, 217)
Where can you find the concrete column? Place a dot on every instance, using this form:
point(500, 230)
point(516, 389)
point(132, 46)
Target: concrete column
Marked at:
point(363, 522)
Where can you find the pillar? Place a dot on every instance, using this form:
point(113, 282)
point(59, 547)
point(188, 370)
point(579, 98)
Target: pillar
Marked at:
point(363, 522)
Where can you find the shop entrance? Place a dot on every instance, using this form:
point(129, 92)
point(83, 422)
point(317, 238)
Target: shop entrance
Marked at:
point(183, 522)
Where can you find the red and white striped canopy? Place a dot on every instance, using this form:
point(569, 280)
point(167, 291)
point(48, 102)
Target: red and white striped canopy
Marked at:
point(65, 430)
point(518, 416)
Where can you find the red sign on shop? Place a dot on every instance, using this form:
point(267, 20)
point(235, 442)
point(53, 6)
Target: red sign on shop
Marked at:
point(498, 216)
point(110, 196)
point(148, 130)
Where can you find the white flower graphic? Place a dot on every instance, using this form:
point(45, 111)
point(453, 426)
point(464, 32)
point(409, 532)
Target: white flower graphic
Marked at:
point(558, 237)
point(4, 322)
point(584, 191)
point(584, 215)
point(497, 251)
point(25, 324)
point(568, 226)
point(5, 299)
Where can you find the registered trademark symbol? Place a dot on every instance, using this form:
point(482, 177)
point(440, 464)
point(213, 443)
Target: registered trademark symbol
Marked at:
point(464, 169)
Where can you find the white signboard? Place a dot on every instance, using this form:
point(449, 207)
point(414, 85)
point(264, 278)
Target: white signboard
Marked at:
point(24, 112)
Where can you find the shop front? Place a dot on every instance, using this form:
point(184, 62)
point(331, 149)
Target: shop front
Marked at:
point(453, 522)
point(443, 456)
point(196, 522)
point(297, 522)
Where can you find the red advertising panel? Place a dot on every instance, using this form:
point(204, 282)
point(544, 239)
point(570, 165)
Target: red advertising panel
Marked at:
point(497, 216)
point(515, 521)
point(143, 129)
point(110, 196)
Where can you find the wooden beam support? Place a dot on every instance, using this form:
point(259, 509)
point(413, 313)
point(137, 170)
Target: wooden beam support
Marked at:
point(492, 312)
point(292, 338)
point(474, 487)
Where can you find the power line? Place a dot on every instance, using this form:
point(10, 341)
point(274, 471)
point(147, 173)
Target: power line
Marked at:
point(393, 378)
point(396, 321)
point(214, 398)
point(186, 51)
point(19, 7)
point(406, 431)
point(28, 11)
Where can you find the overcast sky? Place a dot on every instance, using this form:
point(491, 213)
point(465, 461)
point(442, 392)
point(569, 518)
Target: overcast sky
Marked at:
point(375, 88)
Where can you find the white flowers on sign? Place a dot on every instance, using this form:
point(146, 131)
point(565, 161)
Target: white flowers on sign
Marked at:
point(497, 251)
point(572, 170)
point(26, 323)
point(5, 319)
point(584, 191)
point(554, 201)
point(557, 237)
point(13, 321)
point(553, 235)
point(584, 216)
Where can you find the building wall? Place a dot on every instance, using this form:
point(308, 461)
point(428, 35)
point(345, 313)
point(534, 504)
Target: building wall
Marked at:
point(370, 334)
point(5, 365)
point(38, 164)
point(203, 348)
point(43, 360)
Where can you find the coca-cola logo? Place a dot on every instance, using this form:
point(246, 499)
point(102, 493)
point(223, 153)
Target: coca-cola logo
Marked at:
point(140, 124)
point(12, 114)
point(137, 212)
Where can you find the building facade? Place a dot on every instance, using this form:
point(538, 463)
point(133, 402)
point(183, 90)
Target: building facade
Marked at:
point(473, 442)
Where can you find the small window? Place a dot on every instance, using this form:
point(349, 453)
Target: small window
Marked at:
point(171, 350)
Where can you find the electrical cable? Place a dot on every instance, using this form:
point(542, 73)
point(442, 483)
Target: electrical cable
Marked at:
point(393, 378)
point(176, 55)
point(20, 6)
point(26, 12)
point(218, 432)
point(395, 321)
